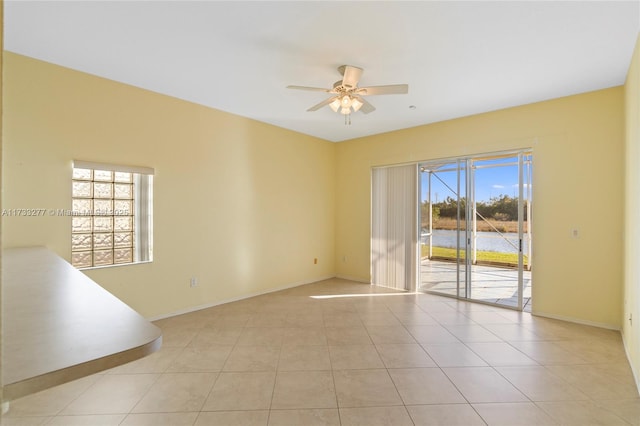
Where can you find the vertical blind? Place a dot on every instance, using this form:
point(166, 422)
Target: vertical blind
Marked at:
point(394, 235)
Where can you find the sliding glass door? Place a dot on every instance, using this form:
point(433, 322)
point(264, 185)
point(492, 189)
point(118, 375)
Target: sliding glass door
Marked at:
point(475, 233)
point(443, 235)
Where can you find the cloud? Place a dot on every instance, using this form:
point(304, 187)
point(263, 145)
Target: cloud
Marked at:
point(497, 186)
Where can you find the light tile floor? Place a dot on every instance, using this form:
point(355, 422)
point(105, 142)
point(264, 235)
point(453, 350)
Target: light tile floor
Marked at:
point(342, 353)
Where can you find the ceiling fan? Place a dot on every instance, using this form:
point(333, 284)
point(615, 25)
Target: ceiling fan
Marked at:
point(348, 97)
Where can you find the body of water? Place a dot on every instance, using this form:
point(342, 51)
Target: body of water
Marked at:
point(486, 241)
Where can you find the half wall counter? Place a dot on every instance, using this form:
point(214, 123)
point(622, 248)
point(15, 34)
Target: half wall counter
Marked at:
point(58, 325)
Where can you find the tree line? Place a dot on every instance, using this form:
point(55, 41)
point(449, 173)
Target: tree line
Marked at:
point(501, 208)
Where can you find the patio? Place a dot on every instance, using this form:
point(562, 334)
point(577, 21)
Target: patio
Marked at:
point(491, 284)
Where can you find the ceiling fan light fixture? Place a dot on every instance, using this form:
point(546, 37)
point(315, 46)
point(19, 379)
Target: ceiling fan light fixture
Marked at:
point(345, 111)
point(335, 105)
point(356, 104)
point(346, 101)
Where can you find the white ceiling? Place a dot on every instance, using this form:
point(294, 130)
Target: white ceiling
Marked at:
point(459, 58)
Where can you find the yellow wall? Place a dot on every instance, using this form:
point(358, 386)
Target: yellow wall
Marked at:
point(1, 68)
point(632, 214)
point(577, 147)
point(243, 206)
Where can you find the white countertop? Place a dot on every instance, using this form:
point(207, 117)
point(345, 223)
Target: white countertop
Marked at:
point(59, 325)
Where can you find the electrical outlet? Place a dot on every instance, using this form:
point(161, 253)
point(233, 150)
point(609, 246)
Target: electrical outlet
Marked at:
point(193, 282)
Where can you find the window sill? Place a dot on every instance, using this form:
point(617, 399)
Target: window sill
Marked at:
point(116, 265)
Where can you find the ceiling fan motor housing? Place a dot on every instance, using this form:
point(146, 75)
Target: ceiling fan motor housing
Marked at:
point(338, 87)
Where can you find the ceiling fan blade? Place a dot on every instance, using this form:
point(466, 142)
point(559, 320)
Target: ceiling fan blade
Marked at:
point(350, 75)
point(391, 89)
point(314, 89)
point(366, 107)
point(323, 103)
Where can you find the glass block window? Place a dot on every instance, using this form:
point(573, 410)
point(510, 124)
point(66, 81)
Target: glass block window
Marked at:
point(111, 215)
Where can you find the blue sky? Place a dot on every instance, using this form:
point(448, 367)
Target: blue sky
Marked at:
point(490, 182)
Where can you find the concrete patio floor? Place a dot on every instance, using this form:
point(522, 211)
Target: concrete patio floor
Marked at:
point(490, 284)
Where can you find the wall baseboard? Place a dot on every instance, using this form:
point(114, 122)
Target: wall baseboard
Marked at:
point(356, 279)
point(576, 321)
point(633, 370)
point(235, 299)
